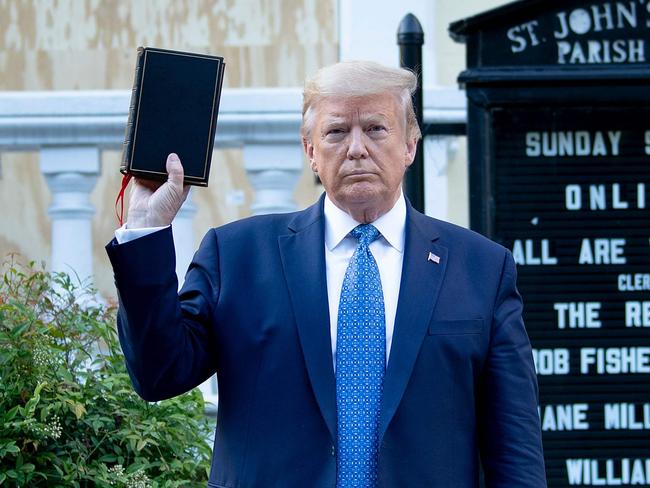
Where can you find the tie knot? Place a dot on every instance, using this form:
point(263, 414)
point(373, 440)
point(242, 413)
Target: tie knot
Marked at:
point(365, 233)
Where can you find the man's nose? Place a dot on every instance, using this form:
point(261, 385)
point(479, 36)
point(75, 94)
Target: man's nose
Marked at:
point(357, 147)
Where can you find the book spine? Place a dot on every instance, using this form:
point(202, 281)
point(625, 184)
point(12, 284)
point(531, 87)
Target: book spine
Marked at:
point(133, 108)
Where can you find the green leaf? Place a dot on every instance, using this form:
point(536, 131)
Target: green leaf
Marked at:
point(12, 448)
point(78, 409)
point(20, 329)
point(11, 414)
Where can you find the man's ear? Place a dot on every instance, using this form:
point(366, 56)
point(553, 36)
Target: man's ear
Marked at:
point(411, 148)
point(309, 152)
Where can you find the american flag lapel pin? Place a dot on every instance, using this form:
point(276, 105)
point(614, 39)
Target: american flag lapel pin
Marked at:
point(434, 258)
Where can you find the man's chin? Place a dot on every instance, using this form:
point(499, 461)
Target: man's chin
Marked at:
point(363, 192)
point(364, 195)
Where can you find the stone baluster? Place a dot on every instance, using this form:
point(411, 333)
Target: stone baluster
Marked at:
point(273, 170)
point(71, 173)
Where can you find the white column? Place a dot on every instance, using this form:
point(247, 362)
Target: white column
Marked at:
point(71, 174)
point(273, 170)
point(438, 150)
point(183, 232)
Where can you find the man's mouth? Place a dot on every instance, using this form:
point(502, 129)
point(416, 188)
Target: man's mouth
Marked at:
point(358, 173)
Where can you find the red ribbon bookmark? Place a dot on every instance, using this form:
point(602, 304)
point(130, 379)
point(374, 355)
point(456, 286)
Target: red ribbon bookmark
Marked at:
point(120, 199)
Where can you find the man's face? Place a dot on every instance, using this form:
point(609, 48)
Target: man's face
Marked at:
point(359, 149)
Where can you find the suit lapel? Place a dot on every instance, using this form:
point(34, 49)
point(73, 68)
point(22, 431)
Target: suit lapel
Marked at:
point(419, 289)
point(303, 261)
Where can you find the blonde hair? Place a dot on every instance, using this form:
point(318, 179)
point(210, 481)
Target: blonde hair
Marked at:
point(359, 79)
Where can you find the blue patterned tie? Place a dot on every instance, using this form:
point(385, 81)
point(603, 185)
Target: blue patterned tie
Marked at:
point(360, 365)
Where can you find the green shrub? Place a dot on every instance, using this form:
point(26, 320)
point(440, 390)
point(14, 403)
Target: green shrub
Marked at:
point(68, 413)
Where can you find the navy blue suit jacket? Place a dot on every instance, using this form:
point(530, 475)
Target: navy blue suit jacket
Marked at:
point(460, 382)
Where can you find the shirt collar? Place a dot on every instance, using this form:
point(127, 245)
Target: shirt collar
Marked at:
point(391, 225)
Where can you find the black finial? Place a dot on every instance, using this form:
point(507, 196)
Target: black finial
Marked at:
point(410, 30)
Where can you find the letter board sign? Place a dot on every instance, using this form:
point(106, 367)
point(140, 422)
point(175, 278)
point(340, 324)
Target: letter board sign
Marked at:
point(559, 146)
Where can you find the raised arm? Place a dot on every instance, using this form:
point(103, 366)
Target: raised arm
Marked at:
point(168, 342)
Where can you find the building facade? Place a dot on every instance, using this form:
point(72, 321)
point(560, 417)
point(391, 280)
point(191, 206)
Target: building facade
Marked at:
point(66, 71)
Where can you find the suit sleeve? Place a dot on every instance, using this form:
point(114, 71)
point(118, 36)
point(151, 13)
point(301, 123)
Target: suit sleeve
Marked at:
point(167, 337)
point(509, 425)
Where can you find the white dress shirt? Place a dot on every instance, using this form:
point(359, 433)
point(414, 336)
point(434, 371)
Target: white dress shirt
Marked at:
point(124, 235)
point(388, 251)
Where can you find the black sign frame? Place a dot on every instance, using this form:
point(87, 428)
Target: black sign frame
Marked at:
point(535, 92)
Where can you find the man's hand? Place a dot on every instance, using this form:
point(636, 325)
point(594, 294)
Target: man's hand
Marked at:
point(155, 204)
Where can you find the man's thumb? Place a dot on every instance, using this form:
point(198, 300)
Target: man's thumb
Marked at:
point(174, 170)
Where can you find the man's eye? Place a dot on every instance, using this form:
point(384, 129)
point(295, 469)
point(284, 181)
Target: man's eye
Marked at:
point(335, 131)
point(377, 128)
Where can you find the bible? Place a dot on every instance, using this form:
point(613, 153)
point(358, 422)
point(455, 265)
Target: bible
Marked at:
point(174, 107)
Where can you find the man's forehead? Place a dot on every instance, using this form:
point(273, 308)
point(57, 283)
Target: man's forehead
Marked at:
point(380, 106)
point(362, 114)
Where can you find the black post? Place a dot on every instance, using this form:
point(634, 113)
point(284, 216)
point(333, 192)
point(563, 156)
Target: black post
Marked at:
point(410, 39)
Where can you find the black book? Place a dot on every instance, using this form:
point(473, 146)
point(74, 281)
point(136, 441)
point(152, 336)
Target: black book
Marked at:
point(174, 107)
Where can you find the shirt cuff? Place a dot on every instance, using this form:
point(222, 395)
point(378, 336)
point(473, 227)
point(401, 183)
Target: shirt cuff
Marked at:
point(124, 235)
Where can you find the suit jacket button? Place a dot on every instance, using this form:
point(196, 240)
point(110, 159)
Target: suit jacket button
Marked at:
point(333, 451)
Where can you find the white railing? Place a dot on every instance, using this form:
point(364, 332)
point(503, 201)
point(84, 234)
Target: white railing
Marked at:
point(69, 129)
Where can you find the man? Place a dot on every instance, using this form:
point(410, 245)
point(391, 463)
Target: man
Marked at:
point(348, 355)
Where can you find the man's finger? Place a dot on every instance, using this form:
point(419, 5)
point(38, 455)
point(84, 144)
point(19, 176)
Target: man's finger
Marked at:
point(150, 185)
point(175, 171)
